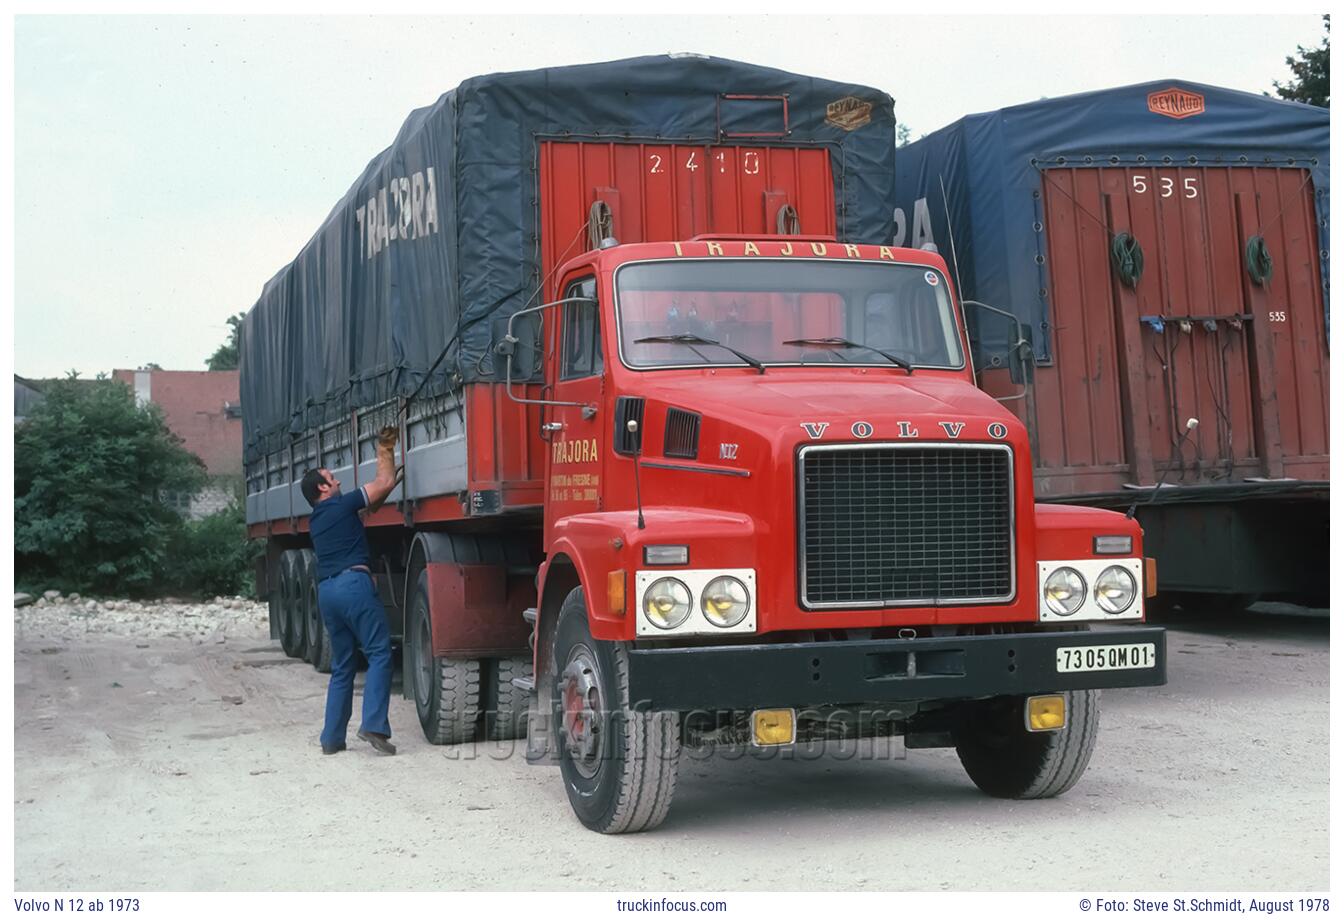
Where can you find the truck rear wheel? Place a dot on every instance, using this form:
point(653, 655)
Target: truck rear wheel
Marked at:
point(319, 646)
point(1009, 762)
point(291, 606)
point(619, 765)
point(507, 714)
point(447, 691)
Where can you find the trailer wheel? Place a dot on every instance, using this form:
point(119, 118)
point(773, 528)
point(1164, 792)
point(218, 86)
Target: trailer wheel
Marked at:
point(506, 716)
point(319, 647)
point(619, 765)
point(447, 691)
point(1009, 762)
point(291, 610)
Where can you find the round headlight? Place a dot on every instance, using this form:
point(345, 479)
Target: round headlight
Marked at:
point(1065, 591)
point(725, 601)
point(1115, 589)
point(667, 603)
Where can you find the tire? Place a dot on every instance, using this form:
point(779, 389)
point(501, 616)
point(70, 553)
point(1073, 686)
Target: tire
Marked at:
point(619, 766)
point(291, 613)
point(1009, 762)
point(319, 649)
point(447, 691)
point(506, 716)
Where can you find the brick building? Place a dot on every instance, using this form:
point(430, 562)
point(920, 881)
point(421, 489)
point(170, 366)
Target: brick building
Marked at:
point(202, 408)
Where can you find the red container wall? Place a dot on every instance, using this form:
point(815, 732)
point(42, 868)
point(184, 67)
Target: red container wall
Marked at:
point(660, 192)
point(1248, 360)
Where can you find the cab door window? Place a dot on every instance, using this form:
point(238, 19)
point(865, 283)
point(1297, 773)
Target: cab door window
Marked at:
point(581, 339)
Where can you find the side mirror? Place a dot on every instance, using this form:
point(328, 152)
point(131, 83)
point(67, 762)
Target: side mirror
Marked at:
point(1022, 356)
point(1021, 352)
point(521, 349)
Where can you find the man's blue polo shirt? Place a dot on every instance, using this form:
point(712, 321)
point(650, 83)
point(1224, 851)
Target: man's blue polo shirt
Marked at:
point(338, 533)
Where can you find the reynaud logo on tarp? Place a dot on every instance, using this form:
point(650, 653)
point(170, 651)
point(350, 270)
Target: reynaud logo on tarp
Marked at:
point(1176, 103)
point(407, 208)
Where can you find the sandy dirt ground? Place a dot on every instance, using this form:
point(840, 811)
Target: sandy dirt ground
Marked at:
point(160, 753)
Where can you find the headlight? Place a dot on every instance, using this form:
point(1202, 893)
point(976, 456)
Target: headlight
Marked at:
point(1065, 591)
point(1115, 590)
point(667, 603)
point(725, 601)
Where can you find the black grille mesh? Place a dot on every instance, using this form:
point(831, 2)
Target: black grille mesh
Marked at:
point(681, 436)
point(888, 525)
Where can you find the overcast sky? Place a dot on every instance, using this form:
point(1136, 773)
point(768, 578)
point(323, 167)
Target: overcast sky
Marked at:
point(167, 167)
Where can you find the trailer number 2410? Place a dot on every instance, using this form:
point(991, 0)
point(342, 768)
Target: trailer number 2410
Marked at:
point(751, 162)
point(1167, 186)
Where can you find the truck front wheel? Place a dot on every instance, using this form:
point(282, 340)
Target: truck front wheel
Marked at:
point(1009, 762)
point(619, 765)
point(447, 690)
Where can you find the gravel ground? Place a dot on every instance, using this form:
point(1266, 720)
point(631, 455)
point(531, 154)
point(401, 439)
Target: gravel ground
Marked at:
point(171, 746)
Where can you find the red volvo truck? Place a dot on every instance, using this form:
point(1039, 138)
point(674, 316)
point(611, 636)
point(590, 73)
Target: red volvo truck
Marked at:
point(690, 455)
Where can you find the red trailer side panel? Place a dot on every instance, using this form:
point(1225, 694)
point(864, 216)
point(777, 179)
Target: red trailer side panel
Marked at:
point(1196, 336)
point(659, 192)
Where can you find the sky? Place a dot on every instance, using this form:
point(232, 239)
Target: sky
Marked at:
point(166, 167)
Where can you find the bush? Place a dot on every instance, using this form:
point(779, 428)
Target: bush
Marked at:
point(90, 467)
point(212, 556)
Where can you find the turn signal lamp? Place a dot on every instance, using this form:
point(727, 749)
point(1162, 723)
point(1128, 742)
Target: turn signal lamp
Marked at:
point(772, 727)
point(616, 592)
point(1045, 713)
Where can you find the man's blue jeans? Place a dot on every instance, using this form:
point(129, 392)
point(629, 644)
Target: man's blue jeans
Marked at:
point(353, 615)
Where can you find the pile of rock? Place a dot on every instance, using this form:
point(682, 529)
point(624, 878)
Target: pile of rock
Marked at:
point(65, 617)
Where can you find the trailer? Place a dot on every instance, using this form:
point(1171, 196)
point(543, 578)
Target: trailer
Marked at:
point(691, 454)
point(1167, 244)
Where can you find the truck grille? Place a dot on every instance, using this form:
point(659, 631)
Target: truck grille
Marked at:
point(900, 525)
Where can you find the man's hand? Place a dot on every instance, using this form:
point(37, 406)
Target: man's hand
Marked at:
point(387, 478)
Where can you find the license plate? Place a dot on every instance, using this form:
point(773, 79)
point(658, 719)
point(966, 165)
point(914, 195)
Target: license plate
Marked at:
point(1106, 657)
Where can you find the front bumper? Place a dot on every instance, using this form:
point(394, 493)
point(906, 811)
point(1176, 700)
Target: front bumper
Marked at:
point(807, 674)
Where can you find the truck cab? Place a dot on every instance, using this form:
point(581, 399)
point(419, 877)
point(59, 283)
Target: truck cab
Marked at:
point(777, 508)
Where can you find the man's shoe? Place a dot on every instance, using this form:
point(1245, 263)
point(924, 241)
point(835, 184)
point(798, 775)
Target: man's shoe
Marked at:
point(333, 748)
point(380, 743)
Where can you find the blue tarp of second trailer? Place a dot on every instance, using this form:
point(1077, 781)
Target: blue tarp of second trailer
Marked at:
point(438, 236)
point(981, 176)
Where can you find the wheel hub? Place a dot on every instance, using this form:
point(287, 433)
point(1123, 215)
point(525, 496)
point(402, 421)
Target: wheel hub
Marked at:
point(582, 708)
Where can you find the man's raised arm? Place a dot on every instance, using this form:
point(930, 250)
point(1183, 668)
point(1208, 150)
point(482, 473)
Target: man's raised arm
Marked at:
point(386, 480)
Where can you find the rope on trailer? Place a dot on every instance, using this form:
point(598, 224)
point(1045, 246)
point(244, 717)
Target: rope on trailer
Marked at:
point(1127, 258)
point(1259, 263)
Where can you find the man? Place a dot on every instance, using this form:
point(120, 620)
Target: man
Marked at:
point(348, 599)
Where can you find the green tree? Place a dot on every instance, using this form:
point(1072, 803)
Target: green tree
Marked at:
point(902, 134)
point(90, 471)
point(1311, 74)
point(225, 357)
point(213, 556)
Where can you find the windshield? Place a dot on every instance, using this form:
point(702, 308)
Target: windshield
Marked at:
point(784, 312)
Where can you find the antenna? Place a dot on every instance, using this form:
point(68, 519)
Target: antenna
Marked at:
point(632, 426)
point(951, 237)
point(1190, 425)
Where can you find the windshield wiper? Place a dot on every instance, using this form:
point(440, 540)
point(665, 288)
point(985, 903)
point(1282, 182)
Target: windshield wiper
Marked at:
point(687, 338)
point(836, 342)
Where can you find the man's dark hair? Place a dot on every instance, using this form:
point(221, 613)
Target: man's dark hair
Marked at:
point(309, 486)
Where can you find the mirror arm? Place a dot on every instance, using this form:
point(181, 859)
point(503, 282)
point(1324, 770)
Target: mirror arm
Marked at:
point(505, 348)
point(1017, 346)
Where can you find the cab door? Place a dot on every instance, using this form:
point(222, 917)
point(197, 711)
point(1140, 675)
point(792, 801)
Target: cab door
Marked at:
point(574, 468)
